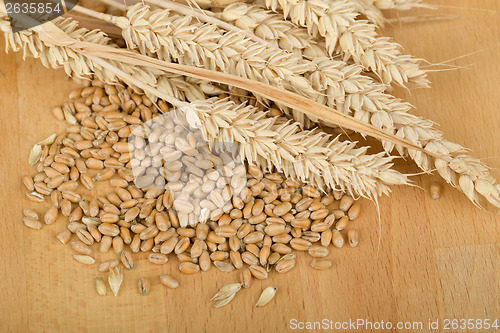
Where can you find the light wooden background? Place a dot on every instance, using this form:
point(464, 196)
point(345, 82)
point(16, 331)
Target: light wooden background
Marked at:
point(436, 260)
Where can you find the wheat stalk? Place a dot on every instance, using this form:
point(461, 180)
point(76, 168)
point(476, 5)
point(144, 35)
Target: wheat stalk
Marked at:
point(178, 38)
point(278, 144)
point(353, 39)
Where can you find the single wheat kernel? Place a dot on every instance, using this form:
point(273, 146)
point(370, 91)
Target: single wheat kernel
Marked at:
point(435, 190)
point(326, 237)
point(354, 211)
point(283, 266)
point(84, 259)
point(64, 236)
point(81, 248)
point(224, 266)
point(273, 258)
point(32, 223)
point(258, 272)
point(100, 286)
point(300, 244)
point(321, 264)
point(265, 252)
point(204, 261)
point(28, 183)
point(342, 223)
point(169, 281)
point(85, 237)
point(337, 239)
point(318, 251)
point(346, 203)
point(126, 259)
point(144, 286)
point(35, 196)
point(189, 268)
point(352, 237)
point(158, 258)
point(118, 244)
point(106, 243)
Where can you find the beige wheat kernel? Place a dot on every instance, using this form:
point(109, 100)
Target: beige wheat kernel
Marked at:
point(352, 237)
point(32, 223)
point(100, 286)
point(321, 264)
point(435, 190)
point(144, 286)
point(189, 268)
point(64, 236)
point(169, 281)
point(126, 258)
point(84, 259)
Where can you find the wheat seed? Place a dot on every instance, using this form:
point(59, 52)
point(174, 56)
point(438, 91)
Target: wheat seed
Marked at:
point(169, 281)
point(100, 286)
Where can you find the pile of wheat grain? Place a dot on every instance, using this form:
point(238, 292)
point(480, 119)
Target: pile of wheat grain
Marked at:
point(127, 177)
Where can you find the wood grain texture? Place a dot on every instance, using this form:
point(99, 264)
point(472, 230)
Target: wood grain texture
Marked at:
point(431, 259)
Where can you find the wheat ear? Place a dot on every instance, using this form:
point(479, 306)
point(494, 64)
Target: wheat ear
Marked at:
point(307, 155)
point(353, 39)
point(182, 39)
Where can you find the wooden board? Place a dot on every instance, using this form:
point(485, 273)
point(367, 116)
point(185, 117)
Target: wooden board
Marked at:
point(427, 260)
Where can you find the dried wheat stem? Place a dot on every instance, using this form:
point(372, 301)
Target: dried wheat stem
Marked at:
point(336, 22)
point(70, 54)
